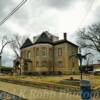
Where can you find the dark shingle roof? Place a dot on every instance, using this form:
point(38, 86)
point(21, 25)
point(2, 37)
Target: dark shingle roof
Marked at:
point(43, 38)
point(64, 41)
point(27, 43)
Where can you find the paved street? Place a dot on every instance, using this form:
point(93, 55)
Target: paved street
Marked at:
point(31, 93)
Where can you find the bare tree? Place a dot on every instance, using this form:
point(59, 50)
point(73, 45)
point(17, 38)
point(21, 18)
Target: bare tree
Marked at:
point(4, 42)
point(18, 40)
point(89, 59)
point(89, 37)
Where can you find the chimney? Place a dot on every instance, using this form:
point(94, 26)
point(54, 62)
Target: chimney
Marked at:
point(65, 36)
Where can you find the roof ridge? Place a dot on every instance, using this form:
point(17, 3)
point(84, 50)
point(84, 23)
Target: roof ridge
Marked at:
point(43, 38)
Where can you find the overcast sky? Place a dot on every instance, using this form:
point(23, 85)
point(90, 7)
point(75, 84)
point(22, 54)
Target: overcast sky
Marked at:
point(55, 16)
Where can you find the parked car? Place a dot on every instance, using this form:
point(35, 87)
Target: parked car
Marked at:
point(96, 72)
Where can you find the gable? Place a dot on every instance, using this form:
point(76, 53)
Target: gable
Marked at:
point(26, 43)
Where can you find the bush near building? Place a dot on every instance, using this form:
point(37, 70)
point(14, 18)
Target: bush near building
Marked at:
point(6, 70)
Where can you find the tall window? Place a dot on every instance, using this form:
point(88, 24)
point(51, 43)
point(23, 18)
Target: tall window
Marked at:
point(44, 51)
point(59, 51)
point(37, 51)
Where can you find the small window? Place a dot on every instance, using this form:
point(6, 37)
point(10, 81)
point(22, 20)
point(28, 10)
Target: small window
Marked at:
point(59, 51)
point(44, 51)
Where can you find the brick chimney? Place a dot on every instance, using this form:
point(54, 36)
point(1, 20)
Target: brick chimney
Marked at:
point(65, 36)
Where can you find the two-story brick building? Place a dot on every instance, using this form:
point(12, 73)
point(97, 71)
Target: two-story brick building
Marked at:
point(49, 54)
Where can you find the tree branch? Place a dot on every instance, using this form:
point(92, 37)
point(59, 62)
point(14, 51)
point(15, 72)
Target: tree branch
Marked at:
point(4, 46)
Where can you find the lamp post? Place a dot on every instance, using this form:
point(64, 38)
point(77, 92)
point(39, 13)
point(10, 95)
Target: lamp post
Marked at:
point(85, 87)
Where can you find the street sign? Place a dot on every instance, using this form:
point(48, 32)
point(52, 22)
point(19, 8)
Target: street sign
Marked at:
point(85, 89)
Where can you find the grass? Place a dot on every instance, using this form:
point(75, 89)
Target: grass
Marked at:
point(95, 80)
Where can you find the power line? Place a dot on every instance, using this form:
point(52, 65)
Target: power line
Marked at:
point(12, 12)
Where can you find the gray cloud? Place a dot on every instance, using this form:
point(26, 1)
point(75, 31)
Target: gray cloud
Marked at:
point(97, 14)
point(4, 31)
point(5, 6)
point(60, 4)
point(39, 15)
